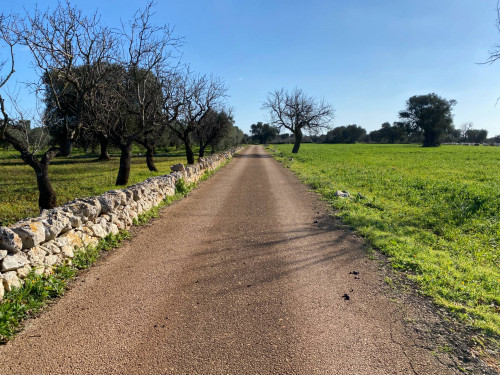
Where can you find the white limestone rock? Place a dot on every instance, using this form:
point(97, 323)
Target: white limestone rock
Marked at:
point(119, 197)
point(13, 261)
point(3, 254)
point(39, 270)
point(31, 233)
point(70, 238)
point(9, 240)
point(87, 237)
point(51, 247)
point(53, 227)
point(113, 229)
point(23, 271)
point(75, 221)
point(107, 203)
point(177, 167)
point(93, 209)
point(129, 195)
point(36, 256)
point(67, 251)
point(342, 194)
point(136, 192)
point(10, 280)
point(101, 221)
point(51, 260)
point(98, 231)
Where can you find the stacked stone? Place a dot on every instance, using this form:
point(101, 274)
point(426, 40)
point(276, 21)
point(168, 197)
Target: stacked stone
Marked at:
point(52, 238)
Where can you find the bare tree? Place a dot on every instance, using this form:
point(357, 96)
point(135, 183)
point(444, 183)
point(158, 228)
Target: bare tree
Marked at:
point(15, 130)
point(63, 43)
point(298, 112)
point(464, 129)
point(495, 53)
point(188, 100)
point(148, 52)
point(71, 52)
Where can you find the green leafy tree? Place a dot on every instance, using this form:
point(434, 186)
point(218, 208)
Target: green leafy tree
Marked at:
point(390, 134)
point(476, 135)
point(213, 128)
point(263, 133)
point(345, 134)
point(429, 114)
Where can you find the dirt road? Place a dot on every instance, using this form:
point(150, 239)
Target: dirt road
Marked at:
point(244, 276)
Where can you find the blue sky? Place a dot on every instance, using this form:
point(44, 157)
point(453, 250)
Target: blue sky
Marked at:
point(364, 57)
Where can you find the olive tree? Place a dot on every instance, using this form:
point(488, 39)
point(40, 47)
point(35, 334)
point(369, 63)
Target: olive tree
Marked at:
point(214, 127)
point(429, 114)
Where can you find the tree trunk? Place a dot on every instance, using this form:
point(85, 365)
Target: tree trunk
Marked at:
point(150, 151)
point(201, 153)
point(189, 152)
point(47, 196)
point(298, 139)
point(430, 139)
point(213, 149)
point(104, 143)
point(66, 147)
point(124, 170)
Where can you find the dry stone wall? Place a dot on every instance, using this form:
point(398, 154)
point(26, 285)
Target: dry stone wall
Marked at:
point(52, 238)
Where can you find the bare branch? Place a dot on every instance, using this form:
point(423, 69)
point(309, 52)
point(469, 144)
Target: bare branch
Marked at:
point(296, 112)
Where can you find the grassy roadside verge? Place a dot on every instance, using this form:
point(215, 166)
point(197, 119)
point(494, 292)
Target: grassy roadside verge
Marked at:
point(39, 290)
point(434, 212)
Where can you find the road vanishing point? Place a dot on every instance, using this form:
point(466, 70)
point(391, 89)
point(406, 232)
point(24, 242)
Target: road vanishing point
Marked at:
point(247, 275)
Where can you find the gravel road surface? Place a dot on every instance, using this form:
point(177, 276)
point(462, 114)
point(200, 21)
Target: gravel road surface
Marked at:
point(247, 275)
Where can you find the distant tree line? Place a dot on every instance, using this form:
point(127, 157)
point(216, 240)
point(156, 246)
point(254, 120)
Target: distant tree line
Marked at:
point(389, 134)
point(100, 85)
point(427, 119)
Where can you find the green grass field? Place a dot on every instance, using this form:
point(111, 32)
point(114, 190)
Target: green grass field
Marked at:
point(73, 177)
point(434, 211)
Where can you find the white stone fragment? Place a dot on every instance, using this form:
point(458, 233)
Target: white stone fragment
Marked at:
point(67, 251)
point(23, 271)
point(9, 240)
point(113, 229)
point(98, 231)
point(107, 203)
point(51, 260)
point(10, 280)
point(51, 247)
point(53, 227)
point(177, 167)
point(31, 233)
point(14, 261)
point(36, 255)
point(342, 194)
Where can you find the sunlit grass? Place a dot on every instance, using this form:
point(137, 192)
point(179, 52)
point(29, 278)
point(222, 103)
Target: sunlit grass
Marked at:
point(434, 211)
point(77, 176)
